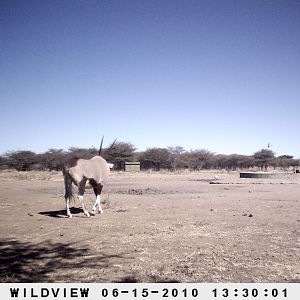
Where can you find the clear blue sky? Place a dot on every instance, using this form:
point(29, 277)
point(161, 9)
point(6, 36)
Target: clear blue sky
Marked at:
point(219, 75)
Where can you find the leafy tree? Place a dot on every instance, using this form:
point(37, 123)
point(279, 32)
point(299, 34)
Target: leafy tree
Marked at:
point(156, 158)
point(219, 161)
point(3, 162)
point(264, 158)
point(199, 159)
point(85, 153)
point(296, 163)
point(246, 162)
point(285, 161)
point(232, 161)
point(21, 160)
point(119, 153)
point(53, 159)
point(176, 158)
point(235, 161)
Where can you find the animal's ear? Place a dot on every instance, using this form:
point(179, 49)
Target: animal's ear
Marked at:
point(100, 149)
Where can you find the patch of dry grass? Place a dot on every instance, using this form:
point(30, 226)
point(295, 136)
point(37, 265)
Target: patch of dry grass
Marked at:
point(30, 175)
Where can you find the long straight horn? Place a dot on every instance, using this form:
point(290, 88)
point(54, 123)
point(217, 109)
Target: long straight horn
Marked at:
point(100, 149)
point(111, 146)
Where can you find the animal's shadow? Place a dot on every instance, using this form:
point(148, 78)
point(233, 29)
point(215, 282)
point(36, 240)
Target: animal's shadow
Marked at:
point(49, 261)
point(61, 213)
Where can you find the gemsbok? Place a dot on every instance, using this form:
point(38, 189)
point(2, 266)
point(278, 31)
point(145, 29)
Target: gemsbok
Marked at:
point(86, 173)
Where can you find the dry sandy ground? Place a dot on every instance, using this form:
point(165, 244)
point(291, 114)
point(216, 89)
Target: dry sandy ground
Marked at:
point(155, 227)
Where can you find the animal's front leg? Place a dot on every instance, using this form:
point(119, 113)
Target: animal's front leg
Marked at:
point(83, 206)
point(97, 205)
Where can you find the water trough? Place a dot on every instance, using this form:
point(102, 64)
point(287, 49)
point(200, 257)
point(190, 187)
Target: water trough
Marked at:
point(265, 174)
point(257, 174)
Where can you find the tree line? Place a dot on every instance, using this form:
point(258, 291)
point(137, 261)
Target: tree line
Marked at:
point(171, 158)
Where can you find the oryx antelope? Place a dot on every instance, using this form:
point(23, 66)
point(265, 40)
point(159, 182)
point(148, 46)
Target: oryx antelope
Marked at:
point(86, 173)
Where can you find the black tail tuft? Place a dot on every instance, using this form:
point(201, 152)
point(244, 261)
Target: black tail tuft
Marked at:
point(68, 184)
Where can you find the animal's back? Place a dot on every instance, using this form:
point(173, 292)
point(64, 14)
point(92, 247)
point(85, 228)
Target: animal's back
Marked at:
point(96, 168)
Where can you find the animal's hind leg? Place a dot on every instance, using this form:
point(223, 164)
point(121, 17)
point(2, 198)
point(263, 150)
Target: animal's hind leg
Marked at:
point(81, 188)
point(97, 206)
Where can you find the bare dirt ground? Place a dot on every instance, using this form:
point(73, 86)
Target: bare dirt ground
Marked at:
point(156, 227)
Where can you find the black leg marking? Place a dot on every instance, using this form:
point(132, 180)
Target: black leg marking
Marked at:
point(92, 182)
point(81, 186)
point(98, 189)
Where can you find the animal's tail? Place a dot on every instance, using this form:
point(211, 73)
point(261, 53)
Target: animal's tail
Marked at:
point(68, 184)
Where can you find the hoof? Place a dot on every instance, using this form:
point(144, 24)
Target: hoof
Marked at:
point(70, 216)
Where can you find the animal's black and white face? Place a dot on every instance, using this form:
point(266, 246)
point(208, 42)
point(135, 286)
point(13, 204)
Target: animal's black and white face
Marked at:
point(110, 165)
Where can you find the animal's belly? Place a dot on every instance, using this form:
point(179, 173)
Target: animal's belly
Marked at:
point(88, 185)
